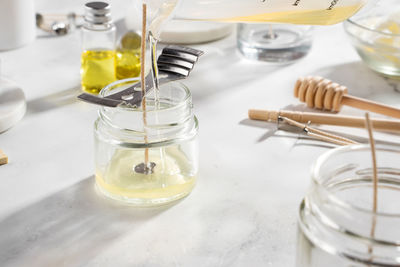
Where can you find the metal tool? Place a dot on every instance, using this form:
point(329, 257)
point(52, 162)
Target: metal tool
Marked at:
point(174, 63)
point(58, 24)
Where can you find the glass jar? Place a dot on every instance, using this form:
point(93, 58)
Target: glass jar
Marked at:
point(274, 43)
point(98, 48)
point(337, 223)
point(168, 139)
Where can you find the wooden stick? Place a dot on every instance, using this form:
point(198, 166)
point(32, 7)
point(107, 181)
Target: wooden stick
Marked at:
point(143, 81)
point(372, 106)
point(327, 119)
point(271, 32)
point(319, 134)
point(375, 178)
point(3, 158)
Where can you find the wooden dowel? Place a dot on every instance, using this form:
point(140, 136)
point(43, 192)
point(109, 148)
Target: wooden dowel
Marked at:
point(324, 119)
point(372, 106)
point(328, 139)
point(340, 140)
point(375, 179)
point(3, 158)
point(143, 81)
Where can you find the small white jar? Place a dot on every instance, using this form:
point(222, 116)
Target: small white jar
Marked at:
point(17, 23)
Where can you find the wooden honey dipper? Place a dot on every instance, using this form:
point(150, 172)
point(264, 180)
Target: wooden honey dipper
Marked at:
point(321, 93)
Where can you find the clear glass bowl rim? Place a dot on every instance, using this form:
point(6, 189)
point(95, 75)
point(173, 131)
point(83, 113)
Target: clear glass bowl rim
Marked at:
point(353, 22)
point(316, 173)
point(188, 95)
point(105, 119)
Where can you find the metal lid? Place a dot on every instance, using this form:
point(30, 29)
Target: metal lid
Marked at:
point(97, 12)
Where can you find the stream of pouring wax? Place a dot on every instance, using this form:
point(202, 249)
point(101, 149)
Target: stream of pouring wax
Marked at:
point(168, 175)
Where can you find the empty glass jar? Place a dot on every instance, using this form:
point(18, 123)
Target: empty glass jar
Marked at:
point(338, 225)
point(147, 163)
point(274, 43)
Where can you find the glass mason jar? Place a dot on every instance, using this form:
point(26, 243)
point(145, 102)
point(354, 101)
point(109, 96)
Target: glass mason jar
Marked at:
point(338, 225)
point(147, 163)
point(98, 48)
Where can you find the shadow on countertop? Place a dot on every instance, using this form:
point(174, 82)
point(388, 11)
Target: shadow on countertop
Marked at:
point(361, 80)
point(53, 101)
point(272, 130)
point(68, 228)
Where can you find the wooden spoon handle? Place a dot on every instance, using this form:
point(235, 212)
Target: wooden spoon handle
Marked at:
point(369, 105)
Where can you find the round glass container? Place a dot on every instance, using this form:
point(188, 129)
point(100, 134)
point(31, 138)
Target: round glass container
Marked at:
point(274, 43)
point(375, 34)
point(337, 223)
point(168, 140)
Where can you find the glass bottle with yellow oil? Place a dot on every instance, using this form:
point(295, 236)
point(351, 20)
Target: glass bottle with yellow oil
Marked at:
point(127, 56)
point(98, 48)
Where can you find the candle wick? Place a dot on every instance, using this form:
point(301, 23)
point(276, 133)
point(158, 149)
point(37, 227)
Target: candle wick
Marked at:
point(375, 180)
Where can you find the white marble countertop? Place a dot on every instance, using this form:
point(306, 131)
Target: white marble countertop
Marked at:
point(243, 210)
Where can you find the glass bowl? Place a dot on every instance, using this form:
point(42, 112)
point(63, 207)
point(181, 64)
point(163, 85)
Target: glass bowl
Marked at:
point(375, 34)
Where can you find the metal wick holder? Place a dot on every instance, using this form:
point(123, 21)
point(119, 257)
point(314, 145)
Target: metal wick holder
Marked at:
point(143, 169)
point(174, 63)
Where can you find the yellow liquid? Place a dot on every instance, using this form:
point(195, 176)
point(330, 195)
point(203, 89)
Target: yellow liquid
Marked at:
point(309, 17)
point(127, 63)
point(97, 70)
point(169, 181)
point(380, 51)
